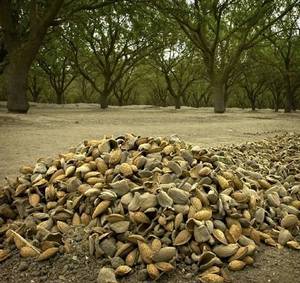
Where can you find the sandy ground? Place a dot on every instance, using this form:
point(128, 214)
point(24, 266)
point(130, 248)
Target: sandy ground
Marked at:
point(49, 130)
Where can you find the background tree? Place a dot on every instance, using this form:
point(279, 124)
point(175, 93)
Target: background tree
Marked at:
point(54, 60)
point(175, 64)
point(110, 45)
point(284, 38)
point(222, 31)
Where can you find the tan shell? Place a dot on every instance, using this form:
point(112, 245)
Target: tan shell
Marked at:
point(165, 266)
point(48, 253)
point(85, 218)
point(241, 253)
point(240, 196)
point(219, 235)
point(288, 221)
point(156, 245)
point(236, 265)
point(293, 244)
point(152, 271)
point(123, 270)
point(211, 270)
point(248, 260)
point(131, 258)
point(208, 259)
point(134, 238)
point(182, 238)
point(204, 214)
point(224, 184)
point(165, 254)
point(70, 170)
point(164, 199)
point(50, 192)
point(211, 278)
point(21, 242)
point(140, 217)
point(201, 233)
point(28, 252)
point(178, 220)
point(205, 171)
point(76, 219)
point(120, 226)
point(296, 204)
point(251, 249)
point(45, 245)
point(255, 235)
point(62, 226)
point(237, 182)
point(101, 165)
point(115, 217)
point(145, 252)
point(101, 207)
point(4, 254)
point(126, 170)
point(115, 156)
point(167, 150)
point(34, 199)
point(124, 249)
point(225, 250)
point(284, 236)
point(235, 231)
point(264, 184)
point(196, 203)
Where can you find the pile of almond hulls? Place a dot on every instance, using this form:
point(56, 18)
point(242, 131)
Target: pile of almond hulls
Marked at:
point(153, 201)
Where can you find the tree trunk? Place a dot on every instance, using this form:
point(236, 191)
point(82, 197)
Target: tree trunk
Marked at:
point(253, 104)
point(103, 101)
point(288, 95)
point(177, 102)
point(276, 104)
point(218, 94)
point(120, 101)
point(15, 85)
point(288, 102)
point(59, 97)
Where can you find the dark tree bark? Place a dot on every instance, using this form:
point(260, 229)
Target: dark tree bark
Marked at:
point(21, 50)
point(218, 95)
point(15, 85)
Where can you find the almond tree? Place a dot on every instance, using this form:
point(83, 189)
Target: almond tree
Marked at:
point(176, 64)
point(285, 40)
point(24, 25)
point(54, 60)
point(110, 45)
point(222, 30)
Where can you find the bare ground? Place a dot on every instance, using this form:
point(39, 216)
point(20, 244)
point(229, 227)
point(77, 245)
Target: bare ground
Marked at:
point(49, 130)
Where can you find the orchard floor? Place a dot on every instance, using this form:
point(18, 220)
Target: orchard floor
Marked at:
point(50, 129)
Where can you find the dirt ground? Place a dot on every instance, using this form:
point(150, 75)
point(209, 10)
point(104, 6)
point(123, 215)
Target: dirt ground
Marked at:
point(49, 130)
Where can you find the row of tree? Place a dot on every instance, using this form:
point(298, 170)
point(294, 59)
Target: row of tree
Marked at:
point(164, 52)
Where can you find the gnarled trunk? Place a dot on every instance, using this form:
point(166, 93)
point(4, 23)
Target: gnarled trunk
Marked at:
point(218, 95)
point(60, 97)
point(15, 85)
point(103, 100)
point(177, 102)
point(288, 102)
